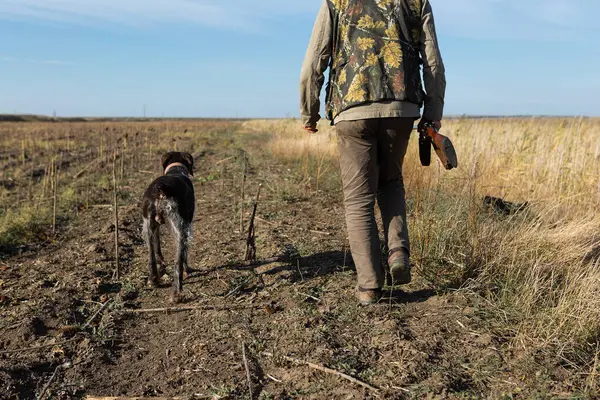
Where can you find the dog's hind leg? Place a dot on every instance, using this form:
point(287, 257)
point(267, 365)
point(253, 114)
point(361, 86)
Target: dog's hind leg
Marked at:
point(187, 228)
point(150, 232)
point(158, 252)
point(181, 236)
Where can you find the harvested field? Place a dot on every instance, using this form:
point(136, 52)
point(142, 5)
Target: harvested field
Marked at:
point(506, 303)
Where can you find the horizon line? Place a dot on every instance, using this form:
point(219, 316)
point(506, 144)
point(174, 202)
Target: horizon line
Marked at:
point(47, 118)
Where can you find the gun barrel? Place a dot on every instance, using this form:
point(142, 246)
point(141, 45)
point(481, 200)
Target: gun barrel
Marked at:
point(425, 145)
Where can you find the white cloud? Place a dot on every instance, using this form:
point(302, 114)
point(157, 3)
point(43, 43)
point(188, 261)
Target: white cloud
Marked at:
point(562, 12)
point(33, 61)
point(557, 20)
point(238, 14)
point(49, 62)
point(495, 19)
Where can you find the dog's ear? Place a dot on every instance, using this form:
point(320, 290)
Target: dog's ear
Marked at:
point(167, 159)
point(189, 160)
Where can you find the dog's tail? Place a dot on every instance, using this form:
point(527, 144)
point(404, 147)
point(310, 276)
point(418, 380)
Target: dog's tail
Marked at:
point(164, 208)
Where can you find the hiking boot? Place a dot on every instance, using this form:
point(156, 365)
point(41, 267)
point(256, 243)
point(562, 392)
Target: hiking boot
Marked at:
point(367, 297)
point(399, 263)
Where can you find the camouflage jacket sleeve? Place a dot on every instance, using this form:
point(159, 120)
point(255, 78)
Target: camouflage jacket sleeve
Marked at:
point(434, 74)
point(315, 64)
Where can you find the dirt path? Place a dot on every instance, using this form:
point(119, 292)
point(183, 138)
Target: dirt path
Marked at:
point(413, 345)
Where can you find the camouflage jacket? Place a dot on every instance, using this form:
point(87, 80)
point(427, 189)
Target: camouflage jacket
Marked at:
point(383, 59)
point(375, 53)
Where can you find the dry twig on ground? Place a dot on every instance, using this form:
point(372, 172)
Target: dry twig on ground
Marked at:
point(248, 376)
point(93, 317)
point(185, 308)
point(326, 370)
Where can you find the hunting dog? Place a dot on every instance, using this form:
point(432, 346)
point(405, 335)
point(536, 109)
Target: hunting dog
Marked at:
point(170, 200)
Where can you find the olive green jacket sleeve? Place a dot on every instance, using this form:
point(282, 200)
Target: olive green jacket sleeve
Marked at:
point(318, 57)
point(316, 62)
point(434, 73)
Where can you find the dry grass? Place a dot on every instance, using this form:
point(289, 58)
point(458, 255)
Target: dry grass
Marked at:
point(538, 270)
point(529, 281)
point(290, 140)
point(315, 154)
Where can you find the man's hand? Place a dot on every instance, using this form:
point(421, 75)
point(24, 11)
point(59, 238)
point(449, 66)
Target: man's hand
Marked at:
point(436, 124)
point(311, 128)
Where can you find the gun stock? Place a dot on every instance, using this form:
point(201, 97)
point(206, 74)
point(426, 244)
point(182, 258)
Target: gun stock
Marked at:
point(442, 145)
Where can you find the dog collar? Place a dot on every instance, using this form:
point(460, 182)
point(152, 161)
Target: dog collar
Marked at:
point(170, 166)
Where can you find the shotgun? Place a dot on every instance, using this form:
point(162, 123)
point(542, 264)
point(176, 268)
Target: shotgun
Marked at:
point(430, 137)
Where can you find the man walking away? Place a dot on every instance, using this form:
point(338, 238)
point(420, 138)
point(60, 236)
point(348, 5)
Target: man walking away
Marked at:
point(374, 50)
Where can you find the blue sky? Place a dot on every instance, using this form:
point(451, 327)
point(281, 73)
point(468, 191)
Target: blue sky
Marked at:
point(218, 58)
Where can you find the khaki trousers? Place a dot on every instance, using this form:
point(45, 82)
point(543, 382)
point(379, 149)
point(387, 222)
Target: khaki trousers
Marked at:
point(371, 154)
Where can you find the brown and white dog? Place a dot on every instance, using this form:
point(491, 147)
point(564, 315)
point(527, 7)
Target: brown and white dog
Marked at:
point(170, 200)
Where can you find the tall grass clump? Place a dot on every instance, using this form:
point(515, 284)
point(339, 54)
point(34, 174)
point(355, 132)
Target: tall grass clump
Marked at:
point(314, 155)
point(538, 268)
point(24, 225)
